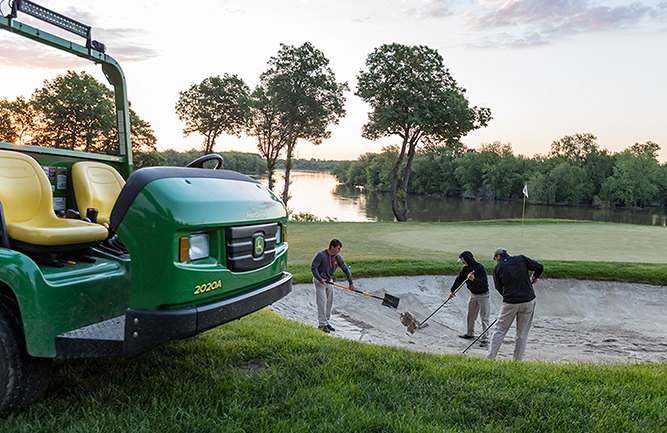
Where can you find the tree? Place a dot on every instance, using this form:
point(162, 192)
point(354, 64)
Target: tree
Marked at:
point(266, 127)
point(305, 95)
point(412, 95)
point(17, 120)
point(636, 177)
point(574, 148)
point(214, 106)
point(76, 112)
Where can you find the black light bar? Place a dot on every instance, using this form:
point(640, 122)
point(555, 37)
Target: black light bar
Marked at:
point(51, 17)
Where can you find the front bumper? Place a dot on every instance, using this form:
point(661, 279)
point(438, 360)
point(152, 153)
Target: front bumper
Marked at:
point(146, 329)
point(139, 331)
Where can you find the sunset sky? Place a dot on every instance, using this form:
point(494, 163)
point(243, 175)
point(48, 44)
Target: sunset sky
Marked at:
point(545, 68)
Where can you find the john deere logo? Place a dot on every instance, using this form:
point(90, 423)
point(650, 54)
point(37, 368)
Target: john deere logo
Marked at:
point(259, 246)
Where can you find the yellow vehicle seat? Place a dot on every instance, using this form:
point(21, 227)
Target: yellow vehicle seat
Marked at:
point(96, 185)
point(27, 200)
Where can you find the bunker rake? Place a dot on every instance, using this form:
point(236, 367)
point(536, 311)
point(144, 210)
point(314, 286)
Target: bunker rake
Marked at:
point(409, 321)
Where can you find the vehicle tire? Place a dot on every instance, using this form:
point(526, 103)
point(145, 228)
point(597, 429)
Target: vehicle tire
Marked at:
point(23, 378)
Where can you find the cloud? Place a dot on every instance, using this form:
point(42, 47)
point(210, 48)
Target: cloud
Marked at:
point(122, 44)
point(546, 21)
point(27, 54)
point(428, 8)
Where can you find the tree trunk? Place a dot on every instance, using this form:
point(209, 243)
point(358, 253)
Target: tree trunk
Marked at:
point(288, 169)
point(399, 203)
point(271, 169)
point(288, 164)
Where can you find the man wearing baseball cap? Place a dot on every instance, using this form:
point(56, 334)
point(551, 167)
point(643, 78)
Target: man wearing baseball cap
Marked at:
point(513, 281)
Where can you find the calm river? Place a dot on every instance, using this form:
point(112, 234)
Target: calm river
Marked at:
point(319, 194)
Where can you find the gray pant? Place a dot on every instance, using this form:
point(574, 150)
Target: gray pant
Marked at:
point(524, 318)
point(478, 305)
point(324, 297)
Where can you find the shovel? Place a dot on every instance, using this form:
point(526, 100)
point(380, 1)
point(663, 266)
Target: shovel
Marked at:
point(407, 319)
point(388, 300)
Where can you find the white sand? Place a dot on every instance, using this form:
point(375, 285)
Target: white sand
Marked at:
point(575, 321)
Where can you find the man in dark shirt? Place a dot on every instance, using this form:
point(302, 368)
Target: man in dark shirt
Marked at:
point(323, 267)
point(513, 282)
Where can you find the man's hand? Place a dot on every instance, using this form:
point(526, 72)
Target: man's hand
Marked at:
point(352, 287)
point(451, 295)
point(533, 279)
point(471, 276)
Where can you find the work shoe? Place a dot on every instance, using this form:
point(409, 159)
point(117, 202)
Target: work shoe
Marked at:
point(467, 337)
point(324, 329)
point(330, 328)
point(483, 344)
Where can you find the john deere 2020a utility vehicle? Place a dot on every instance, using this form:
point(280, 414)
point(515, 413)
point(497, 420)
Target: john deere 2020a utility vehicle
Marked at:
point(96, 260)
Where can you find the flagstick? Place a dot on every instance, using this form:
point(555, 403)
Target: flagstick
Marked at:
point(524, 213)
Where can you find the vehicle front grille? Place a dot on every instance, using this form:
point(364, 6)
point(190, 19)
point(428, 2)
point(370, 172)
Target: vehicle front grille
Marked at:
point(250, 247)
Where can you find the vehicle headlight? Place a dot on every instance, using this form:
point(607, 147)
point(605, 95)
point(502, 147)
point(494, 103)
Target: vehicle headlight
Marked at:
point(194, 247)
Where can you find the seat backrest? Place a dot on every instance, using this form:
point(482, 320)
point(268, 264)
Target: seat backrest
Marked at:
point(96, 185)
point(25, 190)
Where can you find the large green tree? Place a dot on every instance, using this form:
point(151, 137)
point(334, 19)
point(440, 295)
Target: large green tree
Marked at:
point(413, 96)
point(75, 112)
point(216, 105)
point(303, 90)
point(265, 125)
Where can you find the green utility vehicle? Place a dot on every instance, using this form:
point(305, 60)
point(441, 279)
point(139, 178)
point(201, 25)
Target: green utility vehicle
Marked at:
point(96, 260)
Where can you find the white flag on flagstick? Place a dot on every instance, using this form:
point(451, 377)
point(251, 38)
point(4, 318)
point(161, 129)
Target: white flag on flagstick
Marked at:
point(525, 190)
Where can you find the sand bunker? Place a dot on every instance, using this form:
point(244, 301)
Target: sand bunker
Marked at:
point(575, 321)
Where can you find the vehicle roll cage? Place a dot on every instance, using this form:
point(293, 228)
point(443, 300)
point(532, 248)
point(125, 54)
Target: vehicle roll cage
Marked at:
point(93, 51)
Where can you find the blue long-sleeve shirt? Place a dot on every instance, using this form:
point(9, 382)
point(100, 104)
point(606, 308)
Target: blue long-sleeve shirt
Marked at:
point(324, 265)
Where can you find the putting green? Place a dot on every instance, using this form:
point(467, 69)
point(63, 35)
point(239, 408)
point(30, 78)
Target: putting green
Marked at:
point(548, 240)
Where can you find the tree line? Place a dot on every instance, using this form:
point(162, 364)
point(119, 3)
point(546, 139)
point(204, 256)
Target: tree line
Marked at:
point(576, 171)
point(73, 111)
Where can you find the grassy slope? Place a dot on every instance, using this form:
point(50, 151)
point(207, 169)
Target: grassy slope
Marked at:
point(265, 373)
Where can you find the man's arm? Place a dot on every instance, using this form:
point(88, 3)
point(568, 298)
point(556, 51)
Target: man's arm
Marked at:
point(534, 266)
point(314, 267)
point(345, 269)
point(497, 282)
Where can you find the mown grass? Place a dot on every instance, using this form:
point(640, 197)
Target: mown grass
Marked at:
point(264, 373)
point(568, 249)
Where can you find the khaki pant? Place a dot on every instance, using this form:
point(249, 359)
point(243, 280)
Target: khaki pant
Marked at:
point(478, 305)
point(324, 297)
point(523, 313)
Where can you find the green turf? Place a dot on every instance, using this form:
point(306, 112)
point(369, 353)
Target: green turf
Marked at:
point(543, 240)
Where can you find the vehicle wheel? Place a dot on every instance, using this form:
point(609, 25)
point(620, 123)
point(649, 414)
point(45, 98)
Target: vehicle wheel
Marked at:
point(23, 378)
point(199, 162)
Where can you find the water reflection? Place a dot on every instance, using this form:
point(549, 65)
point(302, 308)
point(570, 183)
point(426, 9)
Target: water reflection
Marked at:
point(320, 195)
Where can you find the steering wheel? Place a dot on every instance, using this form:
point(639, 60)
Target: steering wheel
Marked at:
point(199, 162)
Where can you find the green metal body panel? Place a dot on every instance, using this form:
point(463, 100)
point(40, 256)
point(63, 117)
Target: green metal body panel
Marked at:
point(56, 300)
point(168, 209)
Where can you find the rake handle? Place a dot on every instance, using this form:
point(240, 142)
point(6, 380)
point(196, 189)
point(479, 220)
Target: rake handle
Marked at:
point(443, 304)
point(483, 332)
point(354, 290)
